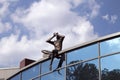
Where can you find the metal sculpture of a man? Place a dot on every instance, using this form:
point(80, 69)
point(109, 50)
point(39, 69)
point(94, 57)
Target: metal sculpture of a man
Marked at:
point(57, 47)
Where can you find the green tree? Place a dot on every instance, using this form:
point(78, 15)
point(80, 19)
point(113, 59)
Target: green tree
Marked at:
point(111, 75)
point(89, 71)
point(82, 71)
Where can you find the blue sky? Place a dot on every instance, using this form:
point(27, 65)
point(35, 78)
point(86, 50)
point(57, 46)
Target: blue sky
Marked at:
point(26, 24)
point(103, 26)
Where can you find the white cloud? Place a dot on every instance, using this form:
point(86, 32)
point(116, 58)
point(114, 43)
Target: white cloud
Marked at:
point(110, 18)
point(94, 6)
point(13, 51)
point(47, 15)
point(114, 18)
point(42, 19)
point(105, 17)
point(76, 2)
point(4, 27)
point(3, 9)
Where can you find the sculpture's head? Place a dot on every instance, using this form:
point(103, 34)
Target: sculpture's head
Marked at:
point(57, 37)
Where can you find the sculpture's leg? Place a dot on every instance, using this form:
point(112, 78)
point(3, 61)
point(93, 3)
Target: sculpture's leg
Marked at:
point(61, 60)
point(52, 58)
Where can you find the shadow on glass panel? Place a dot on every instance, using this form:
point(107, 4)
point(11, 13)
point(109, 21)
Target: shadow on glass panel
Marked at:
point(82, 71)
point(85, 53)
point(111, 67)
point(54, 76)
point(110, 46)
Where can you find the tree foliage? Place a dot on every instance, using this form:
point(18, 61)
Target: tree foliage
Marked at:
point(111, 75)
point(82, 71)
point(89, 71)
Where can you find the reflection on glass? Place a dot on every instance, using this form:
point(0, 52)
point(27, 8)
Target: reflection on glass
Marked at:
point(17, 77)
point(111, 67)
point(45, 67)
point(83, 53)
point(38, 78)
point(56, 62)
point(55, 75)
point(83, 71)
point(110, 46)
point(31, 72)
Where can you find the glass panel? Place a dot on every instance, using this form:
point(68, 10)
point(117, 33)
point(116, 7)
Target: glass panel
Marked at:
point(110, 46)
point(56, 63)
point(111, 67)
point(31, 72)
point(83, 53)
point(38, 78)
point(45, 67)
point(55, 76)
point(83, 71)
point(17, 77)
